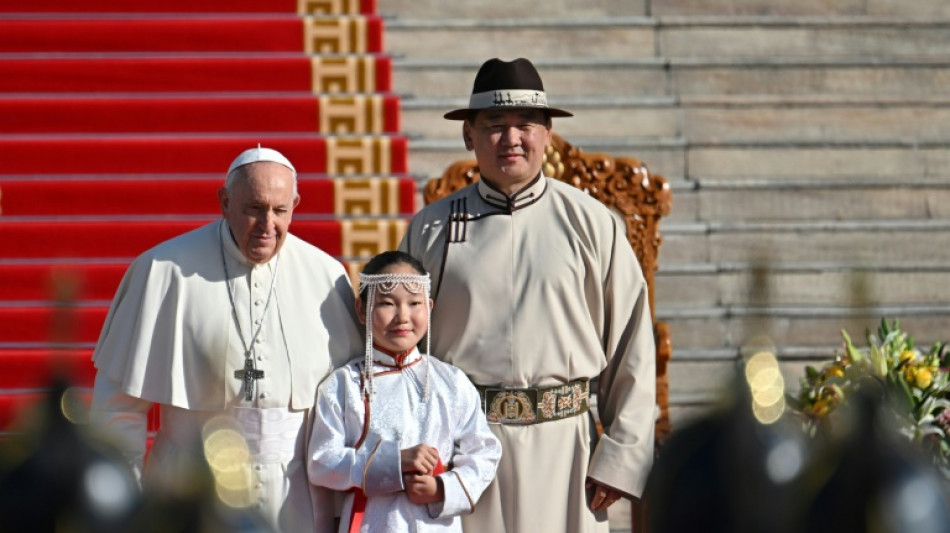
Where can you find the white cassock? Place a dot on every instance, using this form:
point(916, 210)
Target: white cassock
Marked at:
point(172, 338)
point(450, 421)
point(543, 289)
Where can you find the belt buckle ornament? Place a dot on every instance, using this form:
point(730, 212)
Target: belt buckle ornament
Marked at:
point(505, 406)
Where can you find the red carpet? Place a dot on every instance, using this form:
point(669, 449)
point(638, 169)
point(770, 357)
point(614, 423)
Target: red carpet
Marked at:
point(76, 281)
point(39, 324)
point(26, 73)
point(34, 369)
point(126, 238)
point(119, 119)
point(174, 195)
point(201, 154)
point(301, 112)
point(177, 6)
point(204, 33)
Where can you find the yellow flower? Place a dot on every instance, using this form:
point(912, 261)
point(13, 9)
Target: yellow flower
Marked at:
point(924, 378)
point(819, 408)
point(910, 374)
point(907, 356)
point(834, 371)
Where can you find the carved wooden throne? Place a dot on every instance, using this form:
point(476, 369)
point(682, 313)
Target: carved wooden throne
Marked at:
point(626, 186)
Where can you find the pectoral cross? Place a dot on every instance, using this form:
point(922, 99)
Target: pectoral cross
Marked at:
point(249, 375)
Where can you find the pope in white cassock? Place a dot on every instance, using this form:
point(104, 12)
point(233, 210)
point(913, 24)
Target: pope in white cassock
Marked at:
point(234, 323)
point(537, 293)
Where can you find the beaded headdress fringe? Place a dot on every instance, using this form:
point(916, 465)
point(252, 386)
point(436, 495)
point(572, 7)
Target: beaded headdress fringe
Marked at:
point(386, 284)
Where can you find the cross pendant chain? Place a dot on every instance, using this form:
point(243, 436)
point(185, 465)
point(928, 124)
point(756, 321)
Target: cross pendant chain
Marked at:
point(249, 375)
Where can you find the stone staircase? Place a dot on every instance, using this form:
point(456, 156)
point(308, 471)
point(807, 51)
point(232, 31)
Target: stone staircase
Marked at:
point(807, 145)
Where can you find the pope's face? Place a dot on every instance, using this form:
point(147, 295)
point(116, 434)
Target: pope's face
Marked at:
point(509, 145)
point(259, 208)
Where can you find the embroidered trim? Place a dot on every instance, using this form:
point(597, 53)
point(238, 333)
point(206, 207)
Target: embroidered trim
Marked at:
point(471, 501)
point(369, 461)
point(508, 98)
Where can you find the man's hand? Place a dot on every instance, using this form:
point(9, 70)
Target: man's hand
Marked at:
point(423, 489)
point(420, 459)
point(604, 496)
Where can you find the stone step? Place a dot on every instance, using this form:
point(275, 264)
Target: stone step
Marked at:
point(793, 158)
point(899, 9)
point(672, 36)
point(489, 9)
point(801, 284)
point(430, 157)
point(705, 119)
point(711, 333)
point(478, 39)
point(907, 77)
point(829, 198)
point(623, 77)
point(868, 242)
point(746, 158)
point(802, 37)
point(812, 117)
point(425, 79)
point(656, 117)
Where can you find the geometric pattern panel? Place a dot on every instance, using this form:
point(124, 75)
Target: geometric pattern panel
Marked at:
point(351, 74)
point(343, 35)
point(367, 196)
point(358, 114)
point(365, 155)
point(335, 7)
point(366, 238)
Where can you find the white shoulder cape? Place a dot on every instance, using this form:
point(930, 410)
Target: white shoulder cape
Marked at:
point(166, 334)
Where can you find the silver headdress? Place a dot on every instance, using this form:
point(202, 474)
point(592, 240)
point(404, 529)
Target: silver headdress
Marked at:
point(386, 284)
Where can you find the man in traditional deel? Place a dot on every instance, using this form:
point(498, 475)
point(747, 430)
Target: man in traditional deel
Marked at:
point(537, 292)
point(230, 328)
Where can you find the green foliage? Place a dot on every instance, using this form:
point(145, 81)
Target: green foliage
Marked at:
point(916, 382)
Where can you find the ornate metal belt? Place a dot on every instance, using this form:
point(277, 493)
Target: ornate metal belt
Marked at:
point(534, 405)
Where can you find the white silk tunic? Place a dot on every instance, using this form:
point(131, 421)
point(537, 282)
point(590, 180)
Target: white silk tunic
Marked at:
point(172, 338)
point(451, 421)
point(535, 290)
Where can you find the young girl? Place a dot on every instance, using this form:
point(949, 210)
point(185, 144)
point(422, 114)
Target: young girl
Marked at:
point(402, 432)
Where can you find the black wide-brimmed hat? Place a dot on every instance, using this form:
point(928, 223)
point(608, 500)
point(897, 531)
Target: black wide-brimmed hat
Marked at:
point(507, 85)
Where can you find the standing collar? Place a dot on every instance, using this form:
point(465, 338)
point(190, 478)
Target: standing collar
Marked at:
point(386, 358)
point(523, 198)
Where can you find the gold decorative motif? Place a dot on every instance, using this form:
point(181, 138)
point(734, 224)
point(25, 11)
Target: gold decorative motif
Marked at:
point(366, 238)
point(511, 408)
point(358, 155)
point(328, 7)
point(352, 114)
point(351, 74)
point(368, 196)
point(335, 35)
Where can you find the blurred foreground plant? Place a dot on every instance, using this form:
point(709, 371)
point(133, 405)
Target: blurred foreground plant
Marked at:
point(915, 383)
